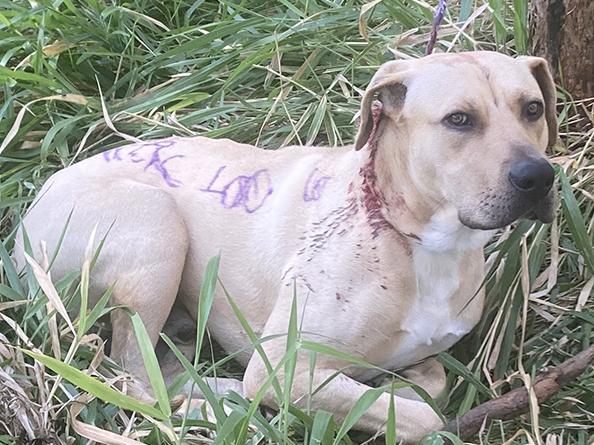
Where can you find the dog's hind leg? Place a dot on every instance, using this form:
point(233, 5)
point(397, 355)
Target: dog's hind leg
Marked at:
point(150, 269)
point(144, 245)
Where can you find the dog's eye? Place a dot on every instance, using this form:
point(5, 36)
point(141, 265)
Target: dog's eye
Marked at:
point(533, 110)
point(460, 121)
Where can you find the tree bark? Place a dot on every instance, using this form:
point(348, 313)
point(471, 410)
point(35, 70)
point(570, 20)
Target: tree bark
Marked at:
point(562, 31)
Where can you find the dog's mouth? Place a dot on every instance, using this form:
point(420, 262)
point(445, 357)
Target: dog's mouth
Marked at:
point(539, 213)
point(497, 216)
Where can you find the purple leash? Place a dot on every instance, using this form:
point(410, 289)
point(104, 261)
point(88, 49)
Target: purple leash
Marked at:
point(439, 13)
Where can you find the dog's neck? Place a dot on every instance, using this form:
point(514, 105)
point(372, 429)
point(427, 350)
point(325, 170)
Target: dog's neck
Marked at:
point(391, 200)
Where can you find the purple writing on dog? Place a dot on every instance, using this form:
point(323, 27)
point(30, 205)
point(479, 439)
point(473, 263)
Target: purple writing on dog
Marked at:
point(314, 186)
point(148, 153)
point(247, 191)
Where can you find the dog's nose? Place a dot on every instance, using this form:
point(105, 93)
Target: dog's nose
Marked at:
point(533, 177)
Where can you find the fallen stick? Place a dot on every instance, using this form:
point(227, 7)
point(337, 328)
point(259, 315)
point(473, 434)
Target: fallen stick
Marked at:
point(516, 402)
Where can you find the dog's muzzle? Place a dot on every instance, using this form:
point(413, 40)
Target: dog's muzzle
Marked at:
point(529, 193)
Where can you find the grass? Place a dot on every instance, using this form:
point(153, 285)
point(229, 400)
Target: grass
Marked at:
point(80, 77)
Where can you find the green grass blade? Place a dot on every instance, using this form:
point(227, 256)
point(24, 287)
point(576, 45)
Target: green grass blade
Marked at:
point(391, 425)
point(291, 362)
point(10, 293)
point(95, 387)
point(271, 431)
point(10, 271)
point(453, 365)
point(254, 406)
point(575, 221)
point(208, 394)
point(358, 409)
point(465, 9)
point(509, 333)
point(322, 429)
point(226, 431)
point(151, 364)
point(255, 343)
point(332, 352)
point(436, 438)
point(521, 25)
point(99, 308)
point(207, 293)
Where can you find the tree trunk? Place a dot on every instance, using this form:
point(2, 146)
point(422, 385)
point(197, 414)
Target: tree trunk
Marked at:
point(562, 31)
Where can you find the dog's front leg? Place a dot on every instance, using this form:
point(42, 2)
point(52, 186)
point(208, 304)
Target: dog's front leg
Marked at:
point(414, 419)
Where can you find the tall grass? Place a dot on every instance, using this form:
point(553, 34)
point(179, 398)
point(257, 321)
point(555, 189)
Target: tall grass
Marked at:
point(79, 77)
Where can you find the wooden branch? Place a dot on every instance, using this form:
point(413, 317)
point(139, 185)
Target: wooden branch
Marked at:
point(516, 402)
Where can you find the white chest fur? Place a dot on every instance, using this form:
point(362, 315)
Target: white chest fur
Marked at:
point(433, 324)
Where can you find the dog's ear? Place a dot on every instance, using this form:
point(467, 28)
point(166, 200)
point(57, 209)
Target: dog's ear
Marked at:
point(542, 74)
point(389, 84)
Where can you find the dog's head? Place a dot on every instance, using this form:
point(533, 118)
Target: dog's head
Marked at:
point(475, 127)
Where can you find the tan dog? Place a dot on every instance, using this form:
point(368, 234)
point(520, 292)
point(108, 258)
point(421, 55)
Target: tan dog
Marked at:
point(382, 240)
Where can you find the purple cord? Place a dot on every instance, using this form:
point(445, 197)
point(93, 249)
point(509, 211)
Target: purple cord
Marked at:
point(439, 13)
